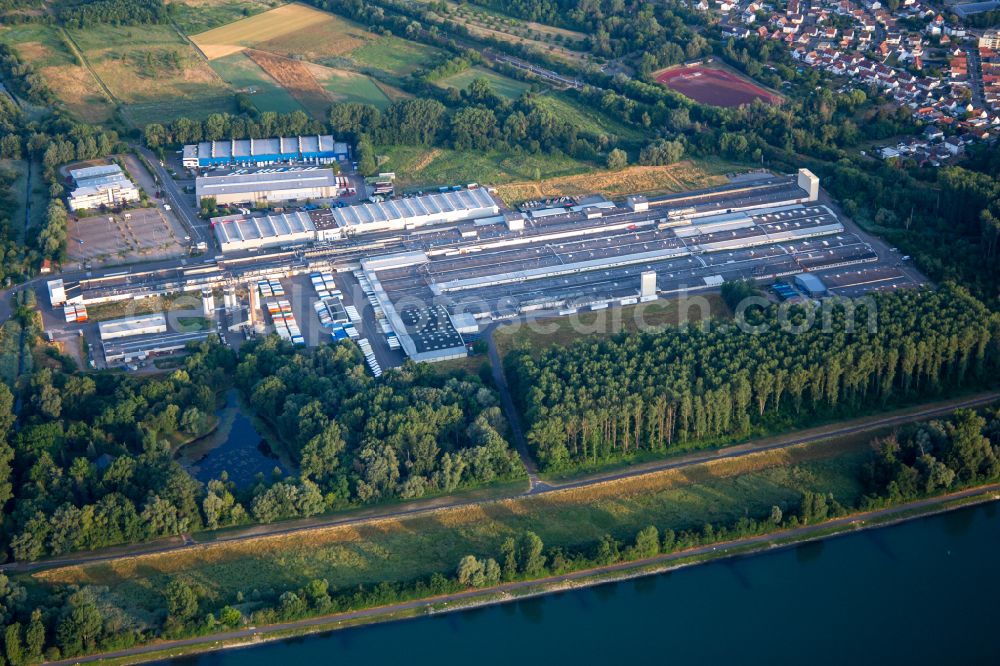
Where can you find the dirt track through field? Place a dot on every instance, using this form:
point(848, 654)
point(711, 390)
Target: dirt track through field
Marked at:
point(295, 77)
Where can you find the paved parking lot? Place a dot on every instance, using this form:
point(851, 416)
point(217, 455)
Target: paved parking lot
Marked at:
point(141, 234)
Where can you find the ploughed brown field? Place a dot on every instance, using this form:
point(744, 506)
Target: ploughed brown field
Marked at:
point(295, 77)
point(714, 86)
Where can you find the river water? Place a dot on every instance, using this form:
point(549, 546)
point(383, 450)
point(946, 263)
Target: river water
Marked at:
point(923, 592)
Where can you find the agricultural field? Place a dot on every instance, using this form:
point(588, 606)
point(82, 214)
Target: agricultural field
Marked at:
point(418, 166)
point(650, 180)
point(297, 78)
point(318, 58)
point(247, 77)
point(342, 85)
point(393, 56)
point(404, 549)
point(488, 23)
point(52, 57)
point(194, 16)
point(293, 30)
point(153, 68)
point(503, 85)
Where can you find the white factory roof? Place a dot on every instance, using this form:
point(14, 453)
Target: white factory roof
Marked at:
point(101, 171)
point(141, 322)
point(102, 182)
point(261, 181)
point(238, 148)
point(234, 228)
point(442, 203)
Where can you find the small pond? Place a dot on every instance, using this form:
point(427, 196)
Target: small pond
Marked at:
point(234, 447)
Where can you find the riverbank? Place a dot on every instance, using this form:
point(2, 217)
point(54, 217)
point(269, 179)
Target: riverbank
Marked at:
point(525, 589)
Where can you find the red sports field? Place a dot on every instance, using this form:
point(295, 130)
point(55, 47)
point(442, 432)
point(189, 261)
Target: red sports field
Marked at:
point(714, 86)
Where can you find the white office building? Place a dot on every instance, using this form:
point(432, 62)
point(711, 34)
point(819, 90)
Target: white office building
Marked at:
point(97, 186)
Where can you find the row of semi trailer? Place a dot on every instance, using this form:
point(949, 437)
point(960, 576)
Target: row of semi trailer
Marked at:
point(331, 310)
point(284, 322)
point(366, 286)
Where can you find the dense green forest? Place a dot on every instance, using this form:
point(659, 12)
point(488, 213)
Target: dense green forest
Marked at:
point(643, 393)
point(113, 12)
point(14, 258)
point(363, 440)
point(948, 218)
point(936, 456)
point(90, 462)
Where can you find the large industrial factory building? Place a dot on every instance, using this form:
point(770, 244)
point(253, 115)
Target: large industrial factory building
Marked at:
point(436, 267)
point(291, 184)
point(243, 232)
point(420, 211)
point(319, 149)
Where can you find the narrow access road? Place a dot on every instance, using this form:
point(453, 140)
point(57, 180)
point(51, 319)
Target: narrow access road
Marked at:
point(510, 411)
point(427, 507)
point(175, 197)
point(792, 536)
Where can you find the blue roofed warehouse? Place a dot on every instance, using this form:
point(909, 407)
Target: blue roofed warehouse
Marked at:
point(316, 149)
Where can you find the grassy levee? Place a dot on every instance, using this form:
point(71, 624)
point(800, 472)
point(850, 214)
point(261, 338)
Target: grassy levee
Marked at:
point(472, 598)
point(402, 549)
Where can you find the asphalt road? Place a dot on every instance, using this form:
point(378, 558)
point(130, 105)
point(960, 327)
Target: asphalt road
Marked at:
point(178, 201)
point(790, 537)
point(418, 508)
